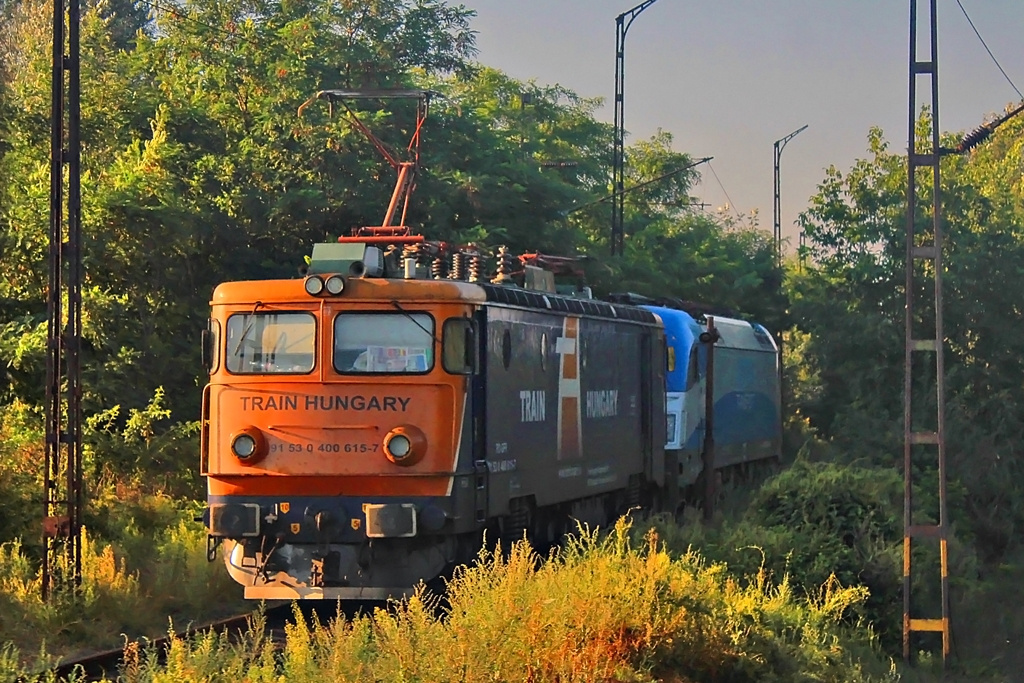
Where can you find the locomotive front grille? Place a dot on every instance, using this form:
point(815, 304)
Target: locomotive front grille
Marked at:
point(235, 520)
point(390, 520)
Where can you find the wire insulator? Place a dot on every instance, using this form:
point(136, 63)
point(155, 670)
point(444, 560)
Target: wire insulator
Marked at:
point(974, 138)
point(506, 264)
point(477, 263)
point(438, 268)
point(410, 260)
point(458, 270)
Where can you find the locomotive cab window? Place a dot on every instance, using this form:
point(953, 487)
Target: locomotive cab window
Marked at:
point(693, 373)
point(270, 343)
point(458, 354)
point(384, 343)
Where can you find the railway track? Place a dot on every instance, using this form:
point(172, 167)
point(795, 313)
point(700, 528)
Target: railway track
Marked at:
point(96, 665)
point(106, 663)
point(276, 616)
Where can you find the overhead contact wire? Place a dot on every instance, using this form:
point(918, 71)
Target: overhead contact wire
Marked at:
point(985, 45)
point(725, 192)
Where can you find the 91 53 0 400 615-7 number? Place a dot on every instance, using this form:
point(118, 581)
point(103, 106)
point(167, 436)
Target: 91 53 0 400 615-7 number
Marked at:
point(324, 448)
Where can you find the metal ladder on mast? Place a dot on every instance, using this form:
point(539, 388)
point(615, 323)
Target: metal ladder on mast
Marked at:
point(63, 498)
point(924, 245)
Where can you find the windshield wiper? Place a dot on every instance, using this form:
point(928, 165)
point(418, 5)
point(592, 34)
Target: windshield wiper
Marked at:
point(248, 328)
point(408, 315)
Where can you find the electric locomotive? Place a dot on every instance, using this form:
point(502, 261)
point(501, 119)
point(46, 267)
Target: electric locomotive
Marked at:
point(745, 396)
point(363, 426)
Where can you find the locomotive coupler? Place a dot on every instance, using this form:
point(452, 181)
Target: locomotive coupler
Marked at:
point(262, 570)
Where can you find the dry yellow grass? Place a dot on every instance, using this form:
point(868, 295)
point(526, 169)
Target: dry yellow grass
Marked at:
point(604, 608)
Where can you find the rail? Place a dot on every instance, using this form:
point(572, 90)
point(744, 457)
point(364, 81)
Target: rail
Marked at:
point(105, 663)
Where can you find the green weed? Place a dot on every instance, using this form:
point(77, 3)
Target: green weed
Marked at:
point(604, 608)
point(112, 599)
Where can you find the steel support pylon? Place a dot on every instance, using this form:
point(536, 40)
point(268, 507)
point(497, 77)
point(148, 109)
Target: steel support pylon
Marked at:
point(924, 445)
point(62, 479)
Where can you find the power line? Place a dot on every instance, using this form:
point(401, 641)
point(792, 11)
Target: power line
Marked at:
point(687, 167)
point(726, 192)
point(996, 61)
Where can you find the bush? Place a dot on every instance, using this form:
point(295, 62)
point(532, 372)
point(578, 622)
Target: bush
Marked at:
point(603, 608)
point(144, 558)
point(817, 522)
point(21, 473)
point(113, 599)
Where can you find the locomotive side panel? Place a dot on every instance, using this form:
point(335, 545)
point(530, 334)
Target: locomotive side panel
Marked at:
point(569, 410)
point(614, 409)
point(521, 397)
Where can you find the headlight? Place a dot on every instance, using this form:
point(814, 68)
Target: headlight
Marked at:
point(405, 445)
point(243, 446)
point(399, 446)
point(335, 285)
point(249, 445)
point(314, 285)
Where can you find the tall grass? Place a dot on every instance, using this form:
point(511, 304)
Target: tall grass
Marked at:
point(604, 608)
point(113, 600)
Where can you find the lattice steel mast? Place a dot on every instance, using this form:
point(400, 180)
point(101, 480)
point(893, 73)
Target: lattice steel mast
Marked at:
point(924, 245)
point(62, 521)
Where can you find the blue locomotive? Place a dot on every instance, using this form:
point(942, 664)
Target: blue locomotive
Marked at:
point(746, 392)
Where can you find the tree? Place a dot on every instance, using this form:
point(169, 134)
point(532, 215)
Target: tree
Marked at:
point(196, 170)
point(851, 298)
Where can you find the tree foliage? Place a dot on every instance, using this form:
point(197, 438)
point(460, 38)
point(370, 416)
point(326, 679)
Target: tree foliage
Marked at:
point(198, 168)
point(850, 302)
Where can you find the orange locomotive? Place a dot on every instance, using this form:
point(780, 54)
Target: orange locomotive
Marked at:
point(365, 425)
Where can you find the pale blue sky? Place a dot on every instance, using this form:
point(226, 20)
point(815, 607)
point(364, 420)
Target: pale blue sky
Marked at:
point(729, 77)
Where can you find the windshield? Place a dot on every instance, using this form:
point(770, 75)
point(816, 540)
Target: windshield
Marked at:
point(269, 343)
point(392, 343)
